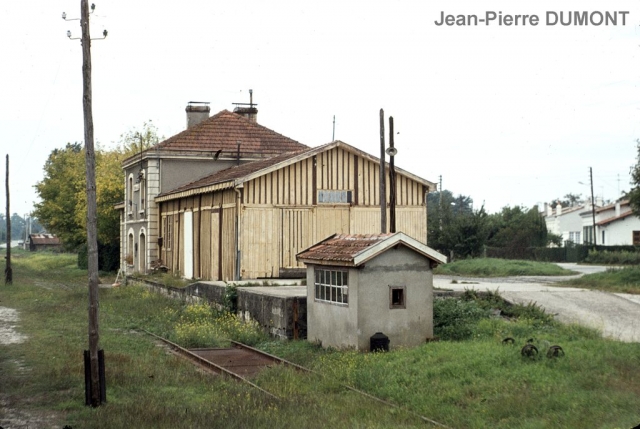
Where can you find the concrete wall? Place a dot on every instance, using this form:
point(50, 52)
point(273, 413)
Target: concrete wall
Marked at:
point(619, 232)
point(178, 172)
point(276, 313)
point(368, 310)
point(333, 325)
point(406, 327)
point(279, 315)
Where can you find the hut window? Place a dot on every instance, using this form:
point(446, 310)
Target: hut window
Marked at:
point(334, 197)
point(397, 297)
point(332, 286)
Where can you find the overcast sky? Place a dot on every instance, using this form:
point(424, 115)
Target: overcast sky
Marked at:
point(509, 115)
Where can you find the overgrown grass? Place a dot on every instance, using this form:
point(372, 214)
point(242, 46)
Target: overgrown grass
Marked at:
point(493, 267)
point(623, 280)
point(475, 383)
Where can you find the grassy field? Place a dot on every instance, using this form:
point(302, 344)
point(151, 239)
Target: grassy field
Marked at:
point(493, 267)
point(474, 383)
point(624, 280)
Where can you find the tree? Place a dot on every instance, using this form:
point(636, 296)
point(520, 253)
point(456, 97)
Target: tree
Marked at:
point(63, 206)
point(517, 227)
point(136, 141)
point(454, 226)
point(17, 226)
point(59, 191)
point(634, 194)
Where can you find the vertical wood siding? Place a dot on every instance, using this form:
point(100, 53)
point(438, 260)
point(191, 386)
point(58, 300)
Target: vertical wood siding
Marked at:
point(280, 215)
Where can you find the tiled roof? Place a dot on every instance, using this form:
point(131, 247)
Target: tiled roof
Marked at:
point(342, 247)
point(44, 239)
point(356, 249)
point(243, 172)
point(613, 219)
point(222, 132)
point(612, 206)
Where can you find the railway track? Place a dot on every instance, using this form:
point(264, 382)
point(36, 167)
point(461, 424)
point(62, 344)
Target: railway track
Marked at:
point(242, 362)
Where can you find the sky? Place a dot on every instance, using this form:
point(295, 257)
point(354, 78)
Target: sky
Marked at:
point(508, 115)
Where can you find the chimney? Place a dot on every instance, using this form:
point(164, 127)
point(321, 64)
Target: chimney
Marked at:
point(558, 209)
point(617, 208)
point(247, 111)
point(548, 210)
point(197, 111)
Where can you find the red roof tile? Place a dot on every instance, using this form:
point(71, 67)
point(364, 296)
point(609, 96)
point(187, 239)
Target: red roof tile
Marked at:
point(223, 131)
point(342, 247)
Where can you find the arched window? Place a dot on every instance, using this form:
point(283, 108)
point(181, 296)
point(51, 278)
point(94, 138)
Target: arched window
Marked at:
point(143, 193)
point(129, 257)
point(129, 196)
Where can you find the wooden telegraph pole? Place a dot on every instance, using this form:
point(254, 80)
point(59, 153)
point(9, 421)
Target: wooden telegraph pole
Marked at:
point(96, 387)
point(392, 179)
point(383, 178)
point(593, 209)
point(8, 272)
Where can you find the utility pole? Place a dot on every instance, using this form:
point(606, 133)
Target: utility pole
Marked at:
point(392, 179)
point(8, 272)
point(383, 178)
point(95, 390)
point(440, 193)
point(92, 228)
point(593, 208)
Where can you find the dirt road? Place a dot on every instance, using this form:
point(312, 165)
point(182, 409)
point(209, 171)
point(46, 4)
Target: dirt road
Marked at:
point(616, 315)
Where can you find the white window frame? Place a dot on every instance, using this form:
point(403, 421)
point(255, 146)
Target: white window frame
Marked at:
point(332, 286)
point(330, 196)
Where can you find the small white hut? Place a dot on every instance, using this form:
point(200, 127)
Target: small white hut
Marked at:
point(360, 285)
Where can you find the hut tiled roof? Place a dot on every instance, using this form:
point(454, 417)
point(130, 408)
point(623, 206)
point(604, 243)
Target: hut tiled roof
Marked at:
point(356, 249)
point(222, 132)
point(342, 247)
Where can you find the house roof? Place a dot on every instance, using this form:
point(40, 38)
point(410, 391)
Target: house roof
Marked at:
point(222, 132)
point(615, 218)
point(612, 206)
point(566, 210)
point(238, 175)
point(355, 249)
point(49, 239)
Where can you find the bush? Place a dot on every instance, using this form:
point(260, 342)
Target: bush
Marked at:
point(607, 257)
point(455, 319)
point(108, 257)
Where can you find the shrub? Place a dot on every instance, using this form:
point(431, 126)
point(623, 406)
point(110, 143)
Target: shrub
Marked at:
point(455, 319)
point(607, 257)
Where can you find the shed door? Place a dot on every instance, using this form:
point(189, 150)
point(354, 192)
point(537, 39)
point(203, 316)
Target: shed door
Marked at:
point(188, 245)
point(297, 235)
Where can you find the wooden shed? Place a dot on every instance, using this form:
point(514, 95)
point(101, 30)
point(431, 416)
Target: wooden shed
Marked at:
point(40, 242)
point(250, 221)
point(362, 285)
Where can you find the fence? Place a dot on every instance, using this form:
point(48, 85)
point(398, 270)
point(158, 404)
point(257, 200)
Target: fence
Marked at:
point(569, 253)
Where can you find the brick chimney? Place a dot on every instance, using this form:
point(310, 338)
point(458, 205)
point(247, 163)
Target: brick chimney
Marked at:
point(245, 110)
point(197, 111)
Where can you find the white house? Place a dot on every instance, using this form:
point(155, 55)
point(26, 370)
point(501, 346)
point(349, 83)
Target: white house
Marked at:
point(615, 225)
point(566, 222)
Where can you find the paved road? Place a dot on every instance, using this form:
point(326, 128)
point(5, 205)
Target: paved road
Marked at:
point(616, 315)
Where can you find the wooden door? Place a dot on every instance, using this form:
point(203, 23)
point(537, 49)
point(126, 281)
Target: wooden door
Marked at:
point(297, 235)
